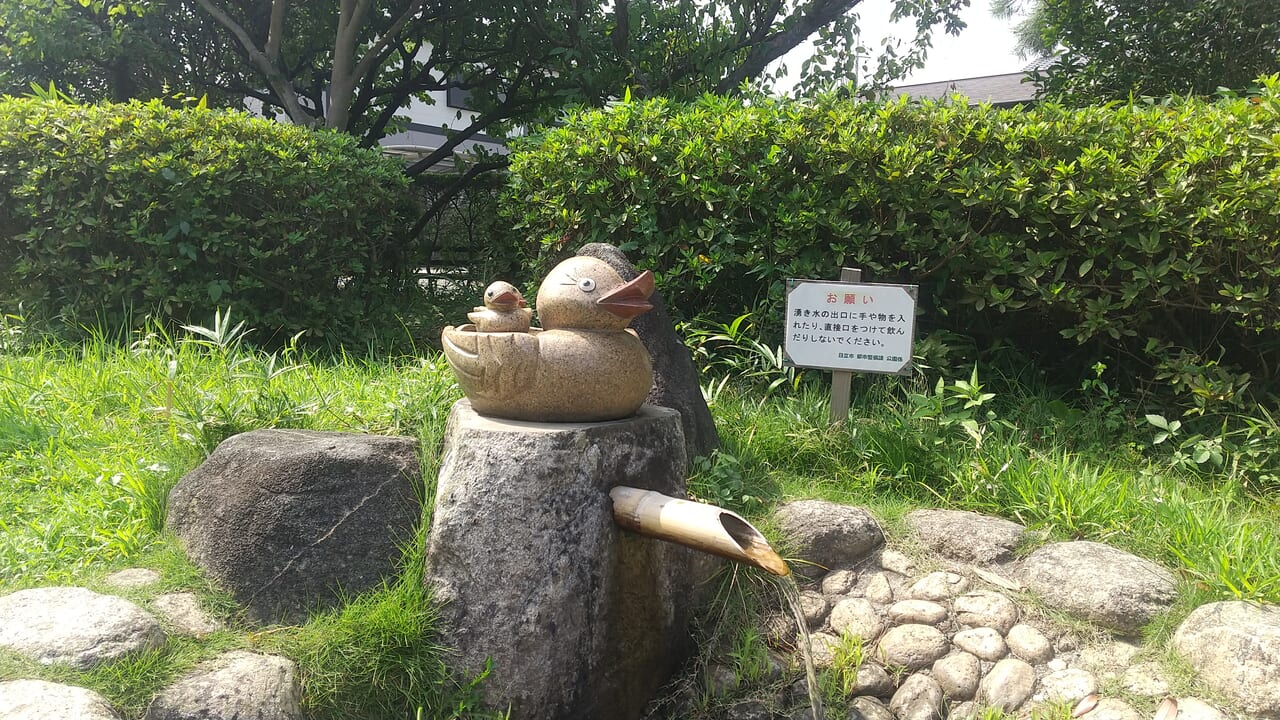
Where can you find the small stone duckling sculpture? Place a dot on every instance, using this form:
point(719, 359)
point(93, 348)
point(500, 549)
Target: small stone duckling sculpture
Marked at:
point(583, 365)
point(504, 310)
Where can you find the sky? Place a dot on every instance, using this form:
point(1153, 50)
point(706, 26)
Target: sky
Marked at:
point(984, 47)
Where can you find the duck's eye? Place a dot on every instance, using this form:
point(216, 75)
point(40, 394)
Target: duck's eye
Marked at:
point(587, 284)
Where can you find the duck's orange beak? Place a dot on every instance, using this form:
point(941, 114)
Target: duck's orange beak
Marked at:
point(631, 299)
point(507, 300)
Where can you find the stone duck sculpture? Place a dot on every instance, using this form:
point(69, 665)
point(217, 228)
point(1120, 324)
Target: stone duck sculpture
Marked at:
point(582, 365)
point(504, 310)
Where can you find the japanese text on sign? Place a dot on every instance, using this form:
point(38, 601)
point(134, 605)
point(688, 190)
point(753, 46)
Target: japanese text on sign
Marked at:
point(859, 327)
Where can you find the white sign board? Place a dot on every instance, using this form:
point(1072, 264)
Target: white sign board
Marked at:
point(851, 327)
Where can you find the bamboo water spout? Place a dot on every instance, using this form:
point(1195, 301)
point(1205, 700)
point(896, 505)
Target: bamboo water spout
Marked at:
point(702, 527)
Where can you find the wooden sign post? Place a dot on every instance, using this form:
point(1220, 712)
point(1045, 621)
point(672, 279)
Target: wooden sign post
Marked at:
point(842, 380)
point(849, 326)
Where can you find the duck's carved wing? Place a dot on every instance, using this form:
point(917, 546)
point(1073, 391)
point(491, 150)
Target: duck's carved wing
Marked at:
point(491, 365)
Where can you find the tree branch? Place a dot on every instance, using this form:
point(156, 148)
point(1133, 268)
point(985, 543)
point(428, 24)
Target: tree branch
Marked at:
point(374, 55)
point(817, 15)
point(342, 79)
point(451, 191)
point(621, 35)
point(452, 143)
point(275, 31)
point(347, 70)
point(504, 110)
point(266, 65)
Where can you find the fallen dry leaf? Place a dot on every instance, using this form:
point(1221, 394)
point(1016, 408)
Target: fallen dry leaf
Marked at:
point(998, 580)
point(1086, 704)
point(1167, 710)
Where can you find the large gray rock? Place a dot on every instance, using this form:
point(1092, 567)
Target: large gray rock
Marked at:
point(985, 609)
point(1069, 685)
point(290, 520)
point(40, 700)
point(132, 578)
point(75, 626)
point(1197, 709)
point(872, 680)
point(984, 642)
point(238, 684)
point(912, 646)
point(868, 708)
point(581, 618)
point(183, 611)
point(1008, 685)
point(1028, 643)
point(958, 675)
point(939, 586)
point(1113, 709)
point(856, 616)
point(918, 698)
point(1099, 583)
point(675, 379)
point(920, 612)
point(814, 608)
point(966, 536)
point(1235, 646)
point(827, 534)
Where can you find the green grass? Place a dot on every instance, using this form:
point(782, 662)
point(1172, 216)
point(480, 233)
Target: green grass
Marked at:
point(93, 436)
point(377, 655)
point(131, 682)
point(1054, 472)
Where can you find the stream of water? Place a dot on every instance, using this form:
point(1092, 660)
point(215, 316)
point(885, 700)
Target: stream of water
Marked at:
point(791, 593)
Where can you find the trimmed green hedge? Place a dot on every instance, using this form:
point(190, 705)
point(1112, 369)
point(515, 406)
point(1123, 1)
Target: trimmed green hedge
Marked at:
point(1144, 235)
point(111, 212)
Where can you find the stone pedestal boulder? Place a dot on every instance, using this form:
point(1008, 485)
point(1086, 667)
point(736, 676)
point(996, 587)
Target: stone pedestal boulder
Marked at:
point(289, 520)
point(675, 379)
point(75, 626)
point(1107, 586)
point(581, 618)
point(1235, 646)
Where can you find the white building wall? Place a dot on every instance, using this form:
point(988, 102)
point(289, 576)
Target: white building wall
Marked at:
point(427, 129)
